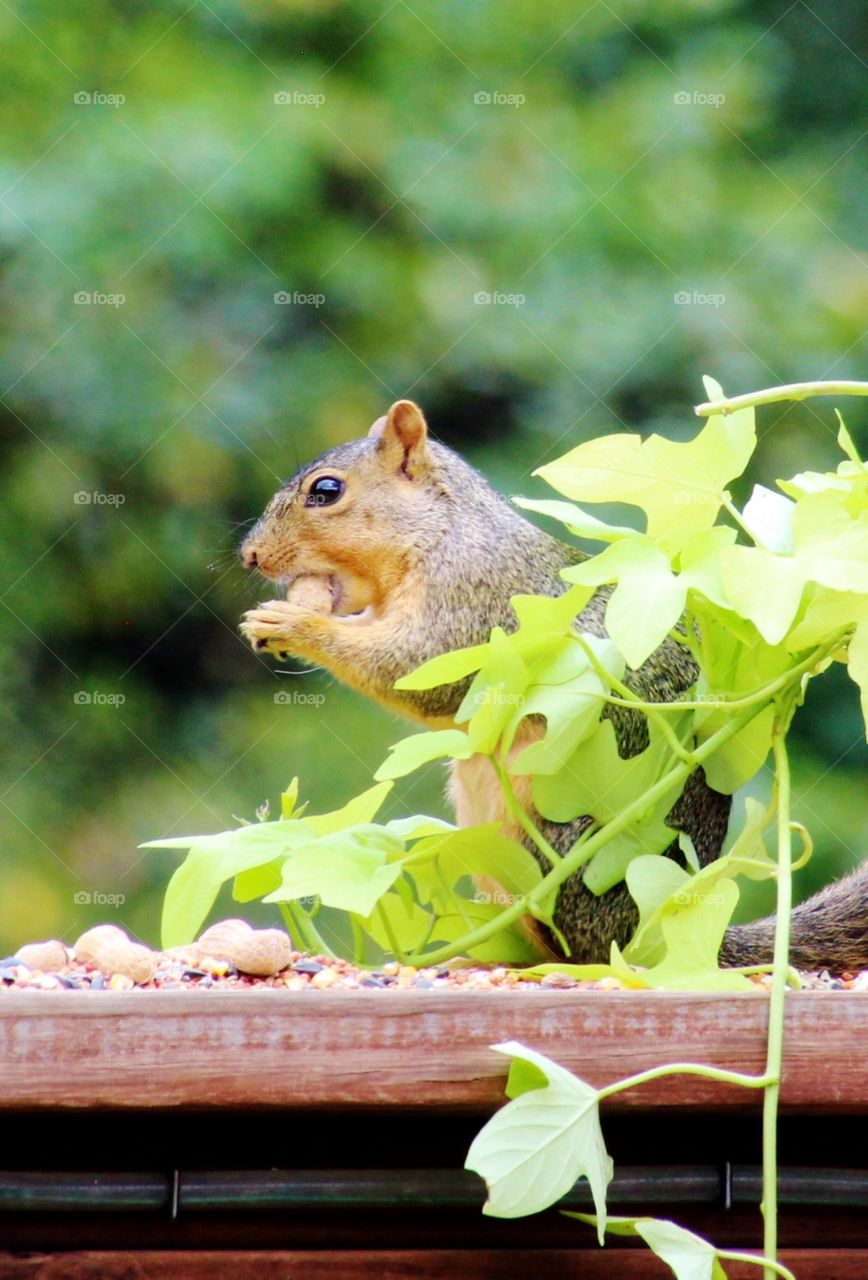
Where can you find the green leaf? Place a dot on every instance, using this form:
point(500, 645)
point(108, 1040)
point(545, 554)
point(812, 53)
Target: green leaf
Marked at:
point(481, 851)
point(361, 809)
point(448, 668)
point(596, 780)
point(659, 887)
point(587, 972)
point(524, 1076)
point(693, 935)
point(571, 711)
point(510, 945)
point(536, 1147)
point(349, 870)
point(648, 600)
point(212, 861)
point(653, 882)
point(289, 799)
point(417, 827)
point(580, 523)
point(649, 836)
point(845, 442)
point(409, 923)
point(689, 1256)
point(738, 760)
point(421, 748)
point(679, 486)
point(764, 587)
point(257, 882)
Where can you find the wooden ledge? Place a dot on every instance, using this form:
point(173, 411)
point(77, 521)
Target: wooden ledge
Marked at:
point(412, 1048)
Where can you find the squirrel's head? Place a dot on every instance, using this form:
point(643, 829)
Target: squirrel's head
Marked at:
point(354, 515)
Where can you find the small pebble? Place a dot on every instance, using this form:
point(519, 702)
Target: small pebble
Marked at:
point(391, 970)
point(422, 984)
point(120, 982)
point(45, 982)
point(325, 978)
point(559, 980)
point(307, 966)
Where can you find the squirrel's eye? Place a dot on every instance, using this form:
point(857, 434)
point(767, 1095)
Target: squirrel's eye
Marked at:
point(324, 491)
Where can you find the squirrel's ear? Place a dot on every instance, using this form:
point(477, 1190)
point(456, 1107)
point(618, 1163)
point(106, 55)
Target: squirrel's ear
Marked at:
point(403, 437)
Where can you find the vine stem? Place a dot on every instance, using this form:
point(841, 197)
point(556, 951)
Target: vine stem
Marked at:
point(517, 811)
point(791, 391)
point(775, 1268)
point(685, 1069)
point(300, 925)
point(780, 970)
point(763, 694)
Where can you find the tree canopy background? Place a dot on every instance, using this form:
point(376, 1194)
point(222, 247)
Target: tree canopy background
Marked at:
point(651, 191)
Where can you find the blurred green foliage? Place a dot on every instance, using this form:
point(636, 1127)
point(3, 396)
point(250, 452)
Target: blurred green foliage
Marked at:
point(707, 151)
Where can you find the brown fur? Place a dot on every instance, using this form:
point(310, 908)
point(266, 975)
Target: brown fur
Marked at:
point(419, 556)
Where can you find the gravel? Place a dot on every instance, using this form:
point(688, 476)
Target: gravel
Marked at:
point(323, 973)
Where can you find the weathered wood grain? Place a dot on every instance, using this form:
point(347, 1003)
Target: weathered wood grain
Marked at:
point(410, 1048)
point(422, 1264)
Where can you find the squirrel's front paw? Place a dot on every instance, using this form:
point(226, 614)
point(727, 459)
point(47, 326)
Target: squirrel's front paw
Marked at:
point(271, 627)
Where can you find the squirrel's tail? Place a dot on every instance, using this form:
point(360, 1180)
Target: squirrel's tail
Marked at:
point(829, 931)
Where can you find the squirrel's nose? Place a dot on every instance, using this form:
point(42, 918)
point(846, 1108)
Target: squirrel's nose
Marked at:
point(249, 556)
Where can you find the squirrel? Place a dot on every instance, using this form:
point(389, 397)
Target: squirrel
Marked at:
point(392, 550)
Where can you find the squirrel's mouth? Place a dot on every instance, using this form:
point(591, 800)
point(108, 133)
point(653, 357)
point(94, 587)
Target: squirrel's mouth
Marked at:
point(342, 603)
point(329, 593)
